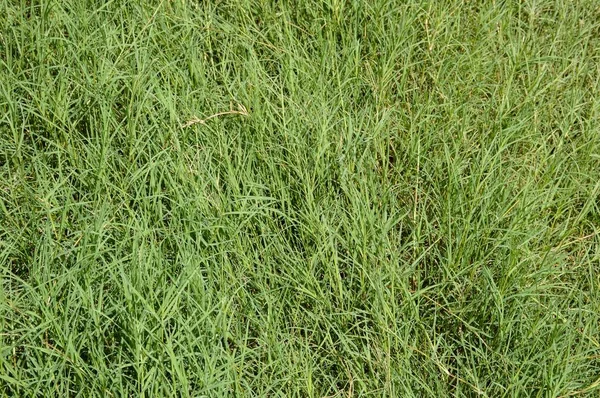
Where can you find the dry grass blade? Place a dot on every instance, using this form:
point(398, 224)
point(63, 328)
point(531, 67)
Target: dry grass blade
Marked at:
point(241, 111)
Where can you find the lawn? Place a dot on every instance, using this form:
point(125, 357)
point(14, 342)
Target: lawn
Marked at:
point(299, 199)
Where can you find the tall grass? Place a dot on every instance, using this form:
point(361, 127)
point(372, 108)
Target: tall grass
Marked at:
point(405, 202)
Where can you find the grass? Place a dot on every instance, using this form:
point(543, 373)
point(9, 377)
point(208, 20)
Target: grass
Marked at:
point(299, 199)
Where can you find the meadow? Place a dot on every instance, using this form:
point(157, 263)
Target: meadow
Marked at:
point(299, 199)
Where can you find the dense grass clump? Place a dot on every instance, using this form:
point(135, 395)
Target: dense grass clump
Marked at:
point(299, 199)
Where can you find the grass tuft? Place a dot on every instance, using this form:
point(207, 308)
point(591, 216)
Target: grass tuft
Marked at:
point(406, 204)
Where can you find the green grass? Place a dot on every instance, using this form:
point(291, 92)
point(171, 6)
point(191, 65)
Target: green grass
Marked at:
point(411, 206)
